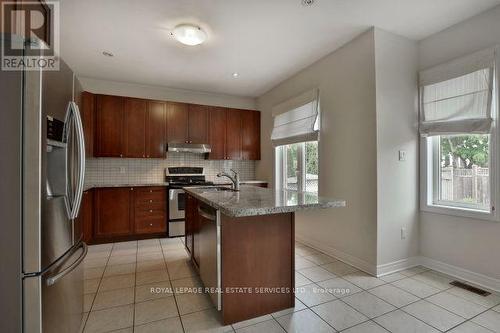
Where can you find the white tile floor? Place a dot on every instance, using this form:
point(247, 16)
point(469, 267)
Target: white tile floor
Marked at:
point(331, 296)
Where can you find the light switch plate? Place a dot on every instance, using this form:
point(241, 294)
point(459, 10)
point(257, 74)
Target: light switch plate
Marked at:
point(402, 155)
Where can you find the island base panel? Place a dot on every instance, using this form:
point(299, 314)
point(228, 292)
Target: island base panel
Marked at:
point(257, 252)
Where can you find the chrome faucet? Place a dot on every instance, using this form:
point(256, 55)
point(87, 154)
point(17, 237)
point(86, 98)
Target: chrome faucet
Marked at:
point(234, 179)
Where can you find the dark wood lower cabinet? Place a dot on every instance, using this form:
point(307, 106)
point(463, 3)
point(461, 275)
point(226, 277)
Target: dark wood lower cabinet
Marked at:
point(86, 215)
point(112, 213)
point(125, 213)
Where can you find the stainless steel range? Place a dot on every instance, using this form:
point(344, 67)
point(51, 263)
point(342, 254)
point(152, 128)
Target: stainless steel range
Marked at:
point(177, 178)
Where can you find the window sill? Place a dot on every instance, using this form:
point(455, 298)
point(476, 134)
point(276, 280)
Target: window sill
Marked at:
point(461, 212)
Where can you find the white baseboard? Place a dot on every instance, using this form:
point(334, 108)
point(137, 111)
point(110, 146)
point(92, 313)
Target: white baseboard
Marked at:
point(398, 265)
point(342, 256)
point(477, 279)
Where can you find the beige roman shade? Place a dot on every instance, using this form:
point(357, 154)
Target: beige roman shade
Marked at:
point(297, 119)
point(456, 97)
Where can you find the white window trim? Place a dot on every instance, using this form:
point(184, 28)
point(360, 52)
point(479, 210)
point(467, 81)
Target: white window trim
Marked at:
point(426, 180)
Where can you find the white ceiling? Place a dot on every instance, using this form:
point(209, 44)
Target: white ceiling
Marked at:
point(265, 41)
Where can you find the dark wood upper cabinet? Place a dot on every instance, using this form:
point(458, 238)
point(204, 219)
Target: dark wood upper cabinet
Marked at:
point(177, 122)
point(198, 124)
point(109, 126)
point(233, 134)
point(87, 114)
point(250, 135)
point(112, 212)
point(135, 127)
point(131, 127)
point(155, 130)
point(217, 133)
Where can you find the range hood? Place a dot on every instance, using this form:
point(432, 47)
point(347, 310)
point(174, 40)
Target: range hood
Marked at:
point(197, 148)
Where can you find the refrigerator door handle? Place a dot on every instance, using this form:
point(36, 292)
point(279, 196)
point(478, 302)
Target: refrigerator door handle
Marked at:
point(53, 279)
point(73, 115)
point(81, 160)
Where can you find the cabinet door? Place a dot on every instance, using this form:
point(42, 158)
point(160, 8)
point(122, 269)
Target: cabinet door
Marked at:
point(86, 215)
point(135, 127)
point(217, 133)
point(87, 113)
point(155, 130)
point(109, 123)
point(177, 122)
point(112, 212)
point(198, 124)
point(233, 134)
point(250, 135)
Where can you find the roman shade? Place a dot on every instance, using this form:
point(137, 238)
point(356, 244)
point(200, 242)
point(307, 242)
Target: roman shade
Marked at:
point(297, 119)
point(457, 97)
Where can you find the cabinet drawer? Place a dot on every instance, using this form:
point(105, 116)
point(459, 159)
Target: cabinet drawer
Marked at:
point(141, 213)
point(144, 225)
point(150, 204)
point(150, 193)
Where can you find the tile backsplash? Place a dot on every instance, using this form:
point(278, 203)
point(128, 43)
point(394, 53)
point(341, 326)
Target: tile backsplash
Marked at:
point(108, 171)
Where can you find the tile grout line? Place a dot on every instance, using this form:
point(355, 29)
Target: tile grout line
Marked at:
point(170, 282)
point(98, 286)
point(135, 282)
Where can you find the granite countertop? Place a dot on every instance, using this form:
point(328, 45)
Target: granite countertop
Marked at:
point(87, 187)
point(253, 200)
point(91, 186)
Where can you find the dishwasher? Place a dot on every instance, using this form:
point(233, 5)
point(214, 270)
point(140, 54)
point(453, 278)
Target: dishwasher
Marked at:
point(210, 252)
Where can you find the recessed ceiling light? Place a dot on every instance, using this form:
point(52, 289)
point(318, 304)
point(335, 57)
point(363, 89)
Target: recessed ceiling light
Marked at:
point(189, 34)
point(307, 2)
point(107, 54)
point(236, 74)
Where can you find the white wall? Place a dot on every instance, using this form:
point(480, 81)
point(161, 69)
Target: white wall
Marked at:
point(397, 117)
point(347, 148)
point(164, 93)
point(467, 243)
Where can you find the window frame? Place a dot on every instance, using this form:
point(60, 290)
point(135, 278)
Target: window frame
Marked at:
point(280, 167)
point(428, 186)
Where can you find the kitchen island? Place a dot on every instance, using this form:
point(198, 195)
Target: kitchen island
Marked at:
point(242, 244)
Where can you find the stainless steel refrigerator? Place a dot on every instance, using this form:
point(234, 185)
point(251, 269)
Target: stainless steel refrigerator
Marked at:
point(42, 171)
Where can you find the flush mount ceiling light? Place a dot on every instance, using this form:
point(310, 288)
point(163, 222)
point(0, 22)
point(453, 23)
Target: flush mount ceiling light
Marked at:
point(189, 34)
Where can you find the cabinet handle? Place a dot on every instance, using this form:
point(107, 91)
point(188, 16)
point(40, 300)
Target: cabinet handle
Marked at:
point(131, 188)
point(150, 210)
point(147, 156)
point(151, 191)
point(143, 155)
point(150, 200)
point(121, 155)
point(187, 141)
point(151, 224)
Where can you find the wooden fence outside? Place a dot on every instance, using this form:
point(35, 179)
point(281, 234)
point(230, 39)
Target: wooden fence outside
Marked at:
point(466, 185)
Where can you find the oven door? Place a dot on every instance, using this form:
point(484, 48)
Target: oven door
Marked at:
point(176, 204)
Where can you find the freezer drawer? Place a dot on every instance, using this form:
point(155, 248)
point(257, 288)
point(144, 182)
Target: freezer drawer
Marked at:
point(53, 301)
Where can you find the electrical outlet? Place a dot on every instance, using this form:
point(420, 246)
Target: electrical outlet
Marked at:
point(402, 155)
point(403, 233)
point(122, 170)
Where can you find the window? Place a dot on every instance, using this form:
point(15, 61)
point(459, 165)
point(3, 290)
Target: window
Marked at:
point(295, 137)
point(461, 171)
point(458, 108)
point(298, 166)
